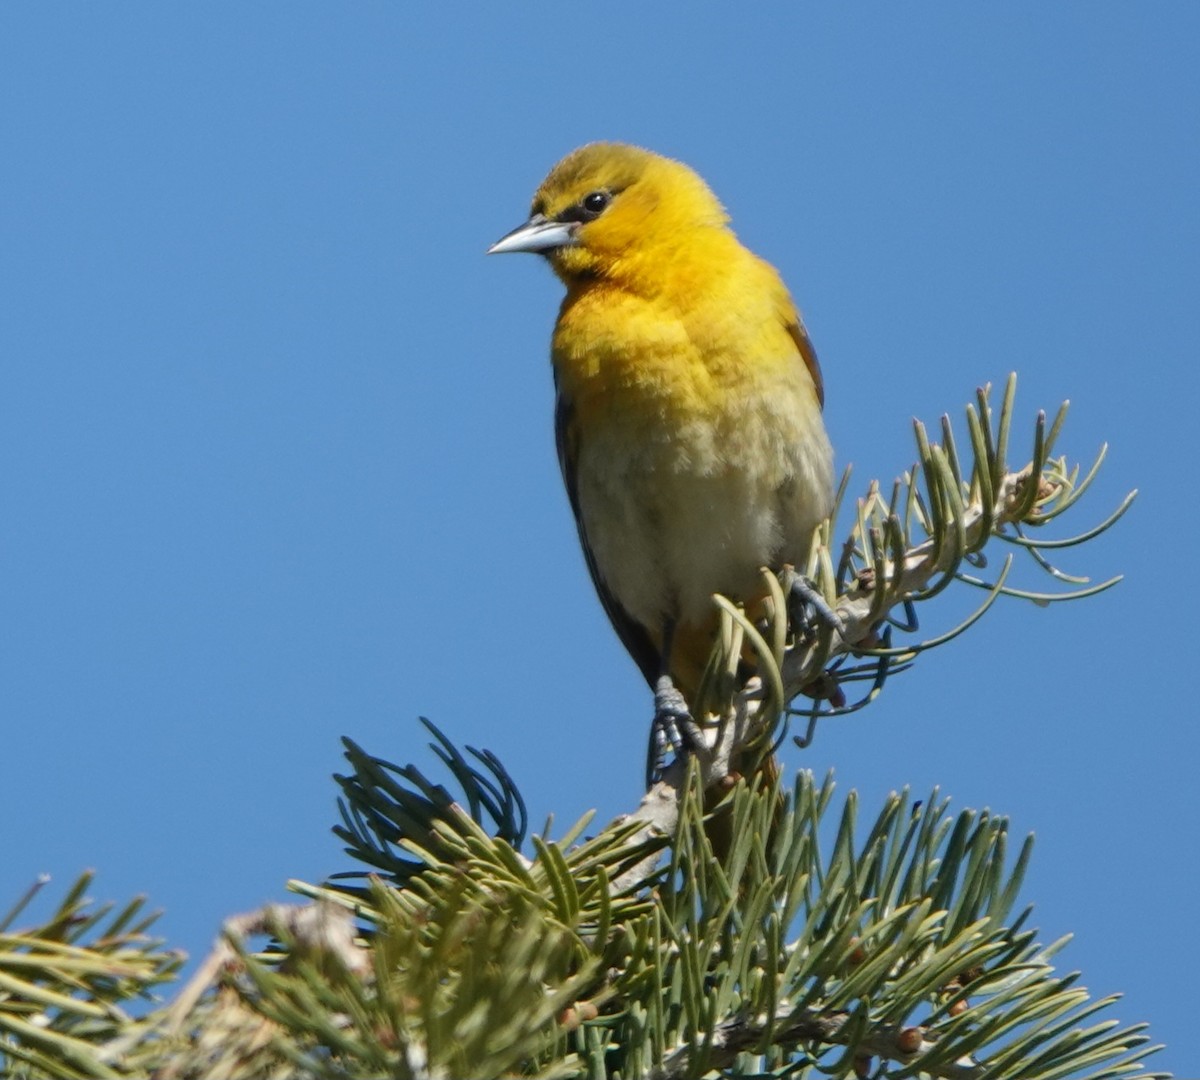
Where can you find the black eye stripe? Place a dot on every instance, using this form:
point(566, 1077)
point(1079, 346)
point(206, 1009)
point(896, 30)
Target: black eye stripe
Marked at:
point(590, 207)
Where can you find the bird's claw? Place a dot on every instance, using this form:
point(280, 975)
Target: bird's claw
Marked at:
point(668, 732)
point(808, 606)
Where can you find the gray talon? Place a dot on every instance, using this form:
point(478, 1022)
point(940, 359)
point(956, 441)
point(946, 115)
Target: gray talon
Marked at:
point(809, 606)
point(671, 717)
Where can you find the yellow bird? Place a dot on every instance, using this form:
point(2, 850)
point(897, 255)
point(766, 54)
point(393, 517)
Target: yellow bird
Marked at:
point(688, 414)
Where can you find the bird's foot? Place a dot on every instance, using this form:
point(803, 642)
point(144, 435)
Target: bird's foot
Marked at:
point(807, 607)
point(669, 731)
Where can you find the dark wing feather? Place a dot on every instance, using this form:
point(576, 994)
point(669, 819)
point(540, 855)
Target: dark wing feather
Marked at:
point(632, 634)
point(795, 327)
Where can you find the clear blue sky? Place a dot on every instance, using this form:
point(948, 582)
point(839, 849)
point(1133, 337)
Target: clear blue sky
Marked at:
point(276, 460)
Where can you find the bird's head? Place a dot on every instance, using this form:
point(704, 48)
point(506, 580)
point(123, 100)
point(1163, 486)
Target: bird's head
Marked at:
point(608, 206)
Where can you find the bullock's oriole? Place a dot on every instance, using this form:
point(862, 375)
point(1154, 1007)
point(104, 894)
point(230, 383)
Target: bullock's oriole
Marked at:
point(688, 414)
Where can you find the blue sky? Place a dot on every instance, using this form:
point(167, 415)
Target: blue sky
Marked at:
point(276, 460)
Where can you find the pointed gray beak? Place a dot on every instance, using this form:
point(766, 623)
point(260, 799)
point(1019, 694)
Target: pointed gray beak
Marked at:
point(537, 234)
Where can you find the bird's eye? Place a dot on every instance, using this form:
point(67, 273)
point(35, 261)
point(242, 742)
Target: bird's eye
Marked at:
point(590, 207)
point(596, 201)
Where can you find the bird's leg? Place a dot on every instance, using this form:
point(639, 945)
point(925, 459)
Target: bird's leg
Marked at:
point(807, 606)
point(668, 729)
point(672, 717)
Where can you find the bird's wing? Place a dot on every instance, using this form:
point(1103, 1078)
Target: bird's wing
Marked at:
point(633, 635)
point(795, 327)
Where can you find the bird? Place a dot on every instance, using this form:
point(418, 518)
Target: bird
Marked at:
point(688, 407)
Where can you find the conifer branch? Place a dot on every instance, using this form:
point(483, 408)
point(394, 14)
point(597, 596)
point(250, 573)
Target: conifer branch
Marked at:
point(901, 552)
point(715, 930)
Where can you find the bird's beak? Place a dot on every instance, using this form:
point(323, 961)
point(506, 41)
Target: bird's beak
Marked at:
point(539, 233)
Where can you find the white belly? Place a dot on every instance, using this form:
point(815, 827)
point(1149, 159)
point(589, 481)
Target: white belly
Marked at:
point(700, 509)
